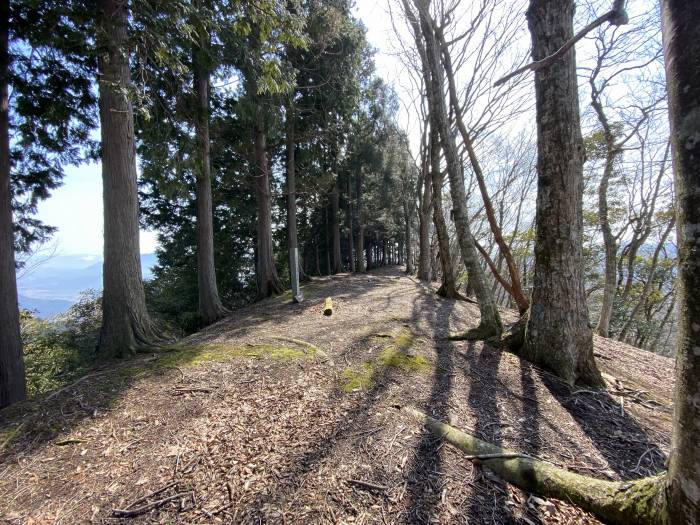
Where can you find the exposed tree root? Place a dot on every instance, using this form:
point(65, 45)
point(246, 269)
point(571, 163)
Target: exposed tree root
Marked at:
point(640, 502)
point(480, 333)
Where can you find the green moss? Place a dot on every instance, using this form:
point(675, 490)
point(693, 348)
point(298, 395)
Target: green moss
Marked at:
point(198, 354)
point(358, 379)
point(393, 356)
point(408, 363)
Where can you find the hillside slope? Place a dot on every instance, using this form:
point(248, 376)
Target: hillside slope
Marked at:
point(279, 414)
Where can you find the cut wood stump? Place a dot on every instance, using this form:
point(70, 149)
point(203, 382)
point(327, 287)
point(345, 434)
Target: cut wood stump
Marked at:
point(328, 306)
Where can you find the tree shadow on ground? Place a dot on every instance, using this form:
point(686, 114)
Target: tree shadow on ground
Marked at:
point(482, 371)
point(620, 439)
point(423, 475)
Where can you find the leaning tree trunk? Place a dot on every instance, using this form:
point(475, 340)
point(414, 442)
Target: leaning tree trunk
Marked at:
point(265, 271)
point(293, 246)
point(514, 288)
point(490, 323)
point(126, 324)
point(12, 380)
point(558, 336)
point(210, 307)
point(681, 36)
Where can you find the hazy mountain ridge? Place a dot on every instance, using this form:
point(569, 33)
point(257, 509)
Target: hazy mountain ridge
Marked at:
point(52, 286)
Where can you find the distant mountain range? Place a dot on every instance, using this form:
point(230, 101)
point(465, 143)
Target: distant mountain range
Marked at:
point(54, 285)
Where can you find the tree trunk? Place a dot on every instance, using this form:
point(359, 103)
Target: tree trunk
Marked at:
point(265, 271)
point(293, 247)
point(681, 37)
point(448, 288)
point(335, 227)
point(12, 379)
point(609, 242)
point(558, 336)
point(351, 247)
point(210, 307)
point(126, 324)
point(407, 247)
point(424, 266)
point(490, 323)
point(360, 246)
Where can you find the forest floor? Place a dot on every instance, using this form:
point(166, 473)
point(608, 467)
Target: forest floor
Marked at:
point(279, 414)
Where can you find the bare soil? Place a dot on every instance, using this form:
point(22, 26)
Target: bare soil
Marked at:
point(242, 424)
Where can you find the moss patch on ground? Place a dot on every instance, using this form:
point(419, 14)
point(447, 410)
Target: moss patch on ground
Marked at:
point(393, 356)
point(198, 354)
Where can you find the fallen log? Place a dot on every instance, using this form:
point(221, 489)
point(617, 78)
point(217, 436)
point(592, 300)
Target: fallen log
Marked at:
point(622, 503)
point(328, 306)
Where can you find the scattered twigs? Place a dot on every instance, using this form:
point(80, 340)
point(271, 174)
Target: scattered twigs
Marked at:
point(130, 513)
point(368, 485)
point(184, 390)
point(616, 16)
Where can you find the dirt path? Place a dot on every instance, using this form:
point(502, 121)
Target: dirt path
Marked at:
point(279, 414)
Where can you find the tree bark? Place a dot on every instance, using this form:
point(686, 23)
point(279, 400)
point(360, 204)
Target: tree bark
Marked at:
point(293, 246)
point(126, 324)
point(681, 38)
point(351, 247)
point(265, 270)
point(335, 227)
point(490, 323)
point(558, 336)
point(424, 210)
point(210, 307)
point(360, 247)
point(12, 378)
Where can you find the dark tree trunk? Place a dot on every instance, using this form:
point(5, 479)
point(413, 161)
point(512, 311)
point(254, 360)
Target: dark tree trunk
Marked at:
point(293, 247)
point(126, 324)
point(351, 248)
point(210, 307)
point(558, 335)
point(335, 228)
point(426, 204)
point(12, 379)
point(490, 323)
point(360, 246)
point(681, 36)
point(265, 271)
point(407, 246)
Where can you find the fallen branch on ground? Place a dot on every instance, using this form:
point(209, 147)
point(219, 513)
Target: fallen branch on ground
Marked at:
point(367, 485)
point(623, 503)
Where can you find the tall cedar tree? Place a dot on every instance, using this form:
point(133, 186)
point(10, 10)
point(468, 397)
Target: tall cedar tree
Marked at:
point(210, 307)
point(126, 324)
point(558, 335)
point(12, 381)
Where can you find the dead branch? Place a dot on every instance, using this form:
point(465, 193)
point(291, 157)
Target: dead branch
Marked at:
point(616, 16)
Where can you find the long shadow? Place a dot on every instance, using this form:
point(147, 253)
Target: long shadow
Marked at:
point(482, 372)
point(619, 438)
point(424, 475)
